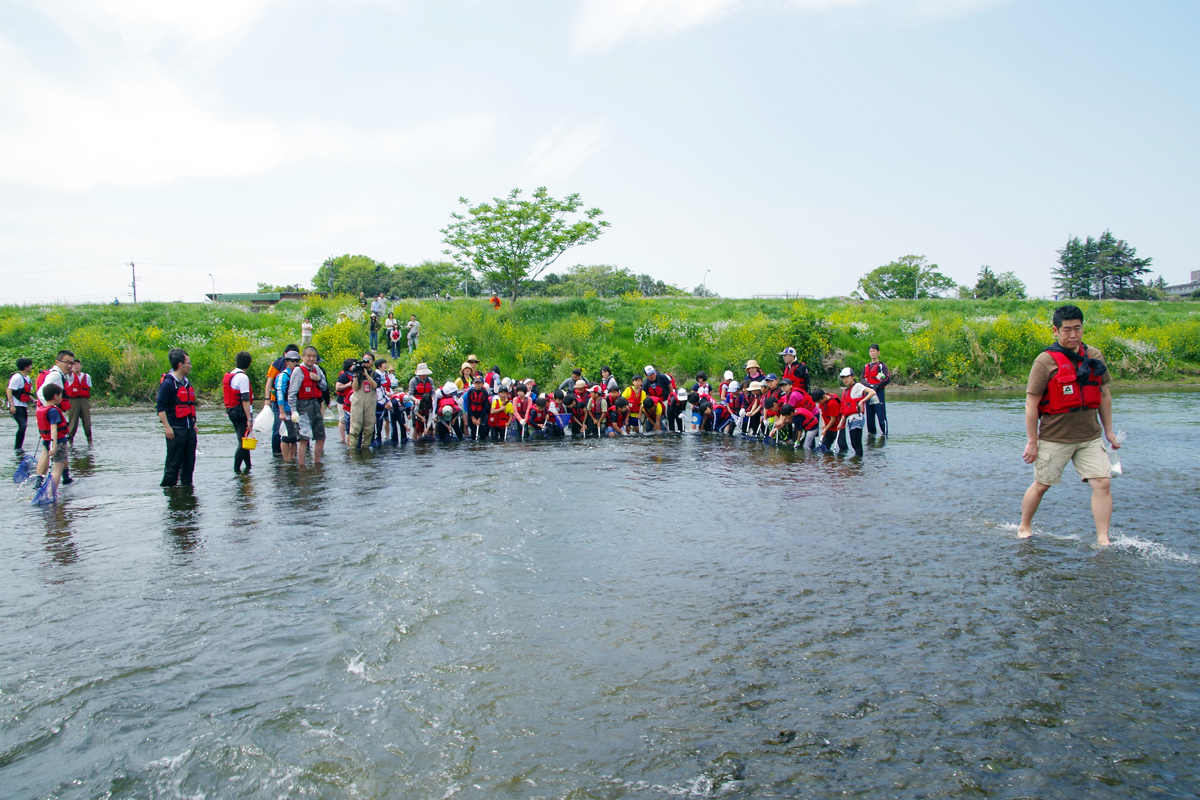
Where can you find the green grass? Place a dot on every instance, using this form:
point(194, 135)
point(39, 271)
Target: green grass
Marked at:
point(937, 342)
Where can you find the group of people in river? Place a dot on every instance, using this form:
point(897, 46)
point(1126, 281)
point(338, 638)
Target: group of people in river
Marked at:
point(373, 406)
point(60, 397)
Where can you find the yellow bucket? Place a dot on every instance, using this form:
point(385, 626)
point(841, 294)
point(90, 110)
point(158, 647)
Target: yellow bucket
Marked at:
point(249, 443)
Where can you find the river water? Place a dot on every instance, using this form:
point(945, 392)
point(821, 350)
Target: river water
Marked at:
point(651, 618)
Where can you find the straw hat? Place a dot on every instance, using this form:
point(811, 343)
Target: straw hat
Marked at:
point(754, 385)
point(423, 369)
point(580, 384)
point(751, 363)
point(465, 365)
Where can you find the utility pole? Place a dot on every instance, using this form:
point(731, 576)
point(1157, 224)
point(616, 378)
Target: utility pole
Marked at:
point(134, 284)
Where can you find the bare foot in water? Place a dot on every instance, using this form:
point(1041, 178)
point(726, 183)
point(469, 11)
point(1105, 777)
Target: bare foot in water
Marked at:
point(1101, 540)
point(1024, 533)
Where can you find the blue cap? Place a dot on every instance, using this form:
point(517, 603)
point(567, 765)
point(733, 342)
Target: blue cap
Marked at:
point(772, 377)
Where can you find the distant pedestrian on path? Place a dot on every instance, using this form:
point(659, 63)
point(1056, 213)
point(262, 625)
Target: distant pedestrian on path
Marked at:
point(414, 332)
point(495, 301)
point(305, 333)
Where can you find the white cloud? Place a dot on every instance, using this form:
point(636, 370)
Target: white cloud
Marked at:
point(148, 26)
point(603, 24)
point(561, 152)
point(133, 126)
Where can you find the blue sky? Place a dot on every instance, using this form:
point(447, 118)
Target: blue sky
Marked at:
point(776, 145)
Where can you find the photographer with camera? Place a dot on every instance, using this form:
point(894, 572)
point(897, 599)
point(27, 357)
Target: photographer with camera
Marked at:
point(364, 383)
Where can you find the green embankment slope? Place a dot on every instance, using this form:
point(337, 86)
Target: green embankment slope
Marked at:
point(932, 342)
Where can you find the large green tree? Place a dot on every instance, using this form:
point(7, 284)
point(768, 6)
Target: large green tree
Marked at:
point(1100, 267)
point(353, 274)
point(1006, 284)
point(906, 277)
point(511, 240)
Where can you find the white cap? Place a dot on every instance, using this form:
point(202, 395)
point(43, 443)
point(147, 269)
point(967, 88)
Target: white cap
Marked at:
point(681, 394)
point(734, 386)
point(449, 388)
point(649, 370)
point(846, 373)
point(728, 375)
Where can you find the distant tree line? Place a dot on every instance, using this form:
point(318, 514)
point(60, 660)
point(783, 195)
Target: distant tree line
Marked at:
point(353, 274)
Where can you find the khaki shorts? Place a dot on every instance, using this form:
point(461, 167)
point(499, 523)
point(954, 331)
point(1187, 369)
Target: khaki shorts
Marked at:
point(1089, 458)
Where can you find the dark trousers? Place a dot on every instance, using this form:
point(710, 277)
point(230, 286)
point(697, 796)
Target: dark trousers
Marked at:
point(877, 410)
point(21, 415)
point(181, 457)
point(856, 435)
point(275, 438)
point(380, 412)
point(374, 340)
point(675, 417)
point(399, 429)
point(237, 415)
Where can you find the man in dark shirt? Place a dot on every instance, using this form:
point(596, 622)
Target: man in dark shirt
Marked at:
point(176, 407)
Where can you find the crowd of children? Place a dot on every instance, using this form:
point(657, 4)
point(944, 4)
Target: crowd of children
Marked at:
point(375, 406)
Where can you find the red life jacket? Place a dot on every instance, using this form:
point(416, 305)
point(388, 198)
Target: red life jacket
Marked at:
point(656, 391)
point(309, 388)
point(596, 407)
point(447, 401)
point(499, 418)
point(635, 397)
point(185, 401)
point(1063, 392)
point(578, 412)
point(477, 402)
point(422, 387)
point(807, 419)
point(65, 405)
point(655, 414)
point(792, 372)
point(850, 404)
point(43, 424)
point(537, 415)
point(233, 398)
point(394, 333)
point(736, 402)
point(831, 409)
point(76, 386)
point(616, 417)
point(581, 397)
point(873, 374)
point(26, 391)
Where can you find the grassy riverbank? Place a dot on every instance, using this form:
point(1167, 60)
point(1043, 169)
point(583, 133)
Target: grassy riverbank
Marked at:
point(966, 344)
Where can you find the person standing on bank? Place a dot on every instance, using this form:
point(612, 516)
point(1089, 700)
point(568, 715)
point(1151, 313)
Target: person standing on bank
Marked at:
point(176, 407)
point(876, 376)
point(305, 391)
point(239, 400)
point(1068, 386)
point(374, 331)
point(79, 390)
point(414, 332)
point(20, 395)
